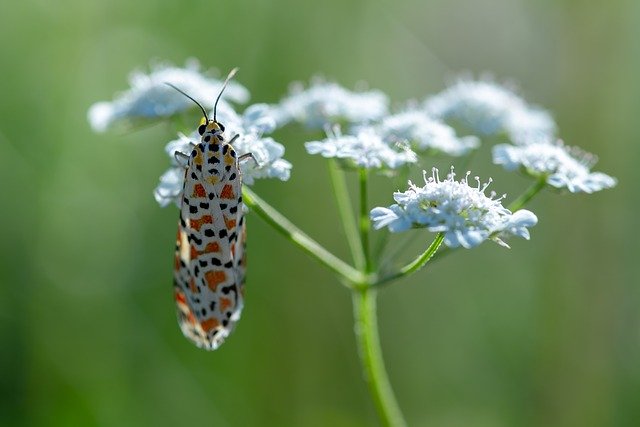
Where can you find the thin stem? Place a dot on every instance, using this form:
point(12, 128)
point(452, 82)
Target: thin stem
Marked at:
point(346, 214)
point(524, 198)
point(306, 243)
point(366, 329)
point(417, 263)
point(365, 223)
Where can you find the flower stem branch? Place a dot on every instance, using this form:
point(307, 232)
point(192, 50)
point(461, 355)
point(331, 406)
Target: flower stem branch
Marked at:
point(416, 264)
point(304, 242)
point(365, 223)
point(366, 330)
point(346, 214)
point(524, 198)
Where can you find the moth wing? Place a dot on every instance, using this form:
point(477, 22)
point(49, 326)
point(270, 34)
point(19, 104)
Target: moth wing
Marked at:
point(207, 293)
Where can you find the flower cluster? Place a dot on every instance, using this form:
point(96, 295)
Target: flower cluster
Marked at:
point(150, 97)
point(425, 134)
point(366, 149)
point(559, 165)
point(326, 103)
point(464, 213)
point(487, 108)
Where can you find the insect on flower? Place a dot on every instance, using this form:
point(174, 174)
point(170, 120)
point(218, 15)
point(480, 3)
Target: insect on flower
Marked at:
point(209, 267)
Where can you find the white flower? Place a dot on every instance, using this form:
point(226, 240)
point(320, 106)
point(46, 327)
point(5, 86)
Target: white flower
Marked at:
point(564, 167)
point(149, 97)
point(489, 109)
point(170, 187)
point(268, 155)
point(365, 149)
point(249, 127)
point(326, 103)
point(529, 125)
point(465, 215)
point(425, 133)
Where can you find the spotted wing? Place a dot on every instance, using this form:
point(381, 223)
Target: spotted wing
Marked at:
point(207, 289)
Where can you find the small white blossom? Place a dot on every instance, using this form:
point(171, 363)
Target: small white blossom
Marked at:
point(528, 125)
point(149, 97)
point(365, 149)
point(564, 167)
point(465, 215)
point(425, 133)
point(249, 127)
point(489, 109)
point(268, 158)
point(326, 103)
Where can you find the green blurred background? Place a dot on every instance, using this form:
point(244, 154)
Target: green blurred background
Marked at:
point(545, 334)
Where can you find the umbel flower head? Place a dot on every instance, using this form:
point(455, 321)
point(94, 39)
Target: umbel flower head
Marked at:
point(365, 149)
point(465, 215)
point(425, 134)
point(150, 98)
point(326, 103)
point(562, 166)
point(488, 108)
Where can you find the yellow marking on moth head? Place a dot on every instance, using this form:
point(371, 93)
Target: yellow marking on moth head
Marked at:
point(213, 126)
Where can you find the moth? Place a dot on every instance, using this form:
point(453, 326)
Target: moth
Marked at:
point(210, 262)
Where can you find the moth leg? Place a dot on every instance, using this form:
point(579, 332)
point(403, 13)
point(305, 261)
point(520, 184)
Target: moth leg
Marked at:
point(181, 158)
point(249, 156)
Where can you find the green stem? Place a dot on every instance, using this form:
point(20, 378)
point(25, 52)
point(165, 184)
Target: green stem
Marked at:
point(365, 223)
point(346, 214)
point(524, 198)
point(366, 329)
point(417, 263)
point(306, 243)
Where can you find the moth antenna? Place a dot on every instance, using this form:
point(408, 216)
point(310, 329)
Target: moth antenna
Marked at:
point(197, 103)
point(224, 85)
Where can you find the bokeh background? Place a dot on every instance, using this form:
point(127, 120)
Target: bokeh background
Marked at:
point(545, 334)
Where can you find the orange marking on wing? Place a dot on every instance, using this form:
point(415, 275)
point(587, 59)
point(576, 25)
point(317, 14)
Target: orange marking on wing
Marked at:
point(233, 250)
point(214, 278)
point(230, 223)
point(199, 192)
point(193, 287)
point(180, 298)
point(227, 192)
point(176, 265)
point(197, 223)
point(225, 303)
point(209, 324)
point(212, 179)
point(194, 252)
point(212, 247)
